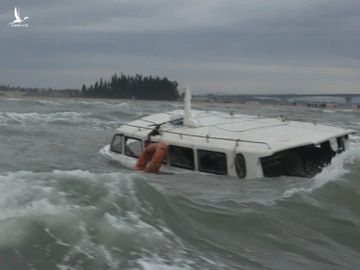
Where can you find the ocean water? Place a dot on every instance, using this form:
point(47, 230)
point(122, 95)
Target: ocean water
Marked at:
point(64, 206)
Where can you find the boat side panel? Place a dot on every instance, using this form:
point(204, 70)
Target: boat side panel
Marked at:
point(253, 166)
point(129, 162)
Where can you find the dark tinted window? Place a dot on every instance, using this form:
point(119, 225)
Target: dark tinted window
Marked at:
point(212, 162)
point(133, 147)
point(116, 144)
point(240, 165)
point(181, 157)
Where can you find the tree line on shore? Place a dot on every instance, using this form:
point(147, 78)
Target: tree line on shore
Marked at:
point(138, 87)
point(119, 86)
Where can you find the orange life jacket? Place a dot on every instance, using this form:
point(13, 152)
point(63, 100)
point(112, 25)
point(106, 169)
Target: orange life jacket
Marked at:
point(152, 157)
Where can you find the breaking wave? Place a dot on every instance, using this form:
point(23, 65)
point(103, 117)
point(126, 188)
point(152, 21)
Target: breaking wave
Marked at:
point(56, 118)
point(109, 104)
point(83, 220)
point(333, 172)
point(111, 215)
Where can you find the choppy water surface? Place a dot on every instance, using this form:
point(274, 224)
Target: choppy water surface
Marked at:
point(64, 206)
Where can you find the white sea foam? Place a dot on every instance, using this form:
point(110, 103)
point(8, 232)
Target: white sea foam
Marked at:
point(120, 188)
point(64, 267)
point(104, 104)
point(34, 118)
point(328, 111)
point(156, 264)
point(90, 249)
point(355, 140)
point(101, 103)
point(48, 198)
point(12, 99)
point(132, 224)
point(50, 102)
point(23, 195)
point(26, 196)
point(62, 102)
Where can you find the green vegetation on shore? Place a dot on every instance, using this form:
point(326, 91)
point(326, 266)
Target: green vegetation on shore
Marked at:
point(123, 86)
point(138, 86)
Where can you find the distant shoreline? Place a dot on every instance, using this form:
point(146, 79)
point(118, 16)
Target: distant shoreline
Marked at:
point(58, 94)
point(228, 105)
point(23, 93)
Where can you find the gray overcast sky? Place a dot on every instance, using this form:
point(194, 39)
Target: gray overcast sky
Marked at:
point(223, 46)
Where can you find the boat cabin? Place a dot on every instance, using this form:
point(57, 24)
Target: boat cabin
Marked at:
point(246, 148)
point(185, 157)
point(238, 145)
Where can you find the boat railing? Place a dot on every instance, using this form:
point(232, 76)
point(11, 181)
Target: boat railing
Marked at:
point(304, 120)
point(207, 137)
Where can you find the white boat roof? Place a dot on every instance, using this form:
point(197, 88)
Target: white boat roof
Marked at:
point(219, 130)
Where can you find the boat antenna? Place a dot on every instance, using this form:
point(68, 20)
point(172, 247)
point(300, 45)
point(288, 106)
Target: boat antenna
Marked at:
point(188, 119)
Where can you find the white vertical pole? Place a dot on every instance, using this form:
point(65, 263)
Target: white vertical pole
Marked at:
point(188, 120)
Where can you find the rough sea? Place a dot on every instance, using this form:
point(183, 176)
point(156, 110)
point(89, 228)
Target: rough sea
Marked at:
point(64, 206)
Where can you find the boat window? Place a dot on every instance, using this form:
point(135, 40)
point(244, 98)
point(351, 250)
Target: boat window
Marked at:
point(181, 157)
point(212, 162)
point(240, 165)
point(303, 161)
point(116, 143)
point(133, 147)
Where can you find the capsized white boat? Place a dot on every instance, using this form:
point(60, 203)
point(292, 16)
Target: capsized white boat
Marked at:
point(230, 144)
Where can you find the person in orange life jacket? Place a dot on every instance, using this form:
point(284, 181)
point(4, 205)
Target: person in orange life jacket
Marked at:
point(153, 155)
